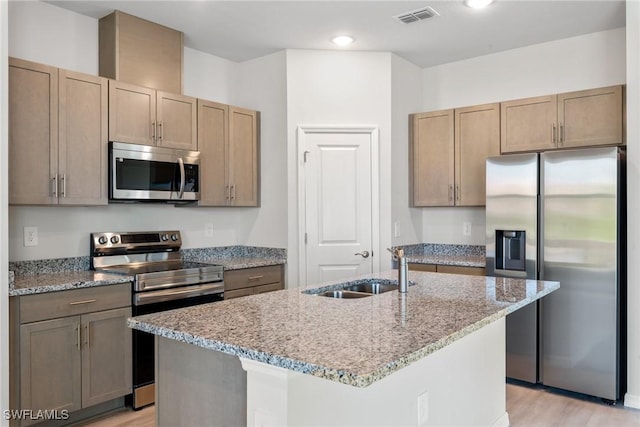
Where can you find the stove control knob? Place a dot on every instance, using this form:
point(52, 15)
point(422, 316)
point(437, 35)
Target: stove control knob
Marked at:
point(174, 237)
point(165, 237)
point(102, 240)
point(114, 239)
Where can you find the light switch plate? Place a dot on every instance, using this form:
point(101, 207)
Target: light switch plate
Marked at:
point(31, 236)
point(208, 229)
point(466, 228)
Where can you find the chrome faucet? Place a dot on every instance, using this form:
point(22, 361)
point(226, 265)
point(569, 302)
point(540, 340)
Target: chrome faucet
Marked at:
point(398, 255)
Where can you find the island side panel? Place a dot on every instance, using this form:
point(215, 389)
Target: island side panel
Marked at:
point(197, 387)
point(461, 384)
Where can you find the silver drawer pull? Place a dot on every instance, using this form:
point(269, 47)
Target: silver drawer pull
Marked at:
point(255, 277)
point(82, 302)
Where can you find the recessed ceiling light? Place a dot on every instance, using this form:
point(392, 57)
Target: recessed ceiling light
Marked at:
point(343, 40)
point(477, 4)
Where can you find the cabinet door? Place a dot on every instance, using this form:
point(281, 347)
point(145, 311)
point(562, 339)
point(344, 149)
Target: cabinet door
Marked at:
point(50, 364)
point(106, 356)
point(213, 137)
point(82, 158)
point(132, 113)
point(176, 116)
point(477, 136)
point(528, 124)
point(33, 133)
point(591, 117)
point(244, 157)
point(431, 158)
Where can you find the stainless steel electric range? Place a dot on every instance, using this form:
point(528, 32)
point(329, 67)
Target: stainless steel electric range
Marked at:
point(162, 281)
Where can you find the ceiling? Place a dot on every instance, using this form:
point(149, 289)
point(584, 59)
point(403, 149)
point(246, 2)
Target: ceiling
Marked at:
point(242, 30)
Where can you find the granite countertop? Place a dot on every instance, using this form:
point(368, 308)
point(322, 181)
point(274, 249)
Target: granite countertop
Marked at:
point(445, 254)
point(51, 275)
point(351, 341)
point(28, 284)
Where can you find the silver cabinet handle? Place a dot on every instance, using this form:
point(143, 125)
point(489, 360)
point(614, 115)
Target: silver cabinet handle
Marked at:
point(458, 192)
point(553, 133)
point(160, 125)
point(255, 277)
point(54, 186)
point(153, 130)
point(227, 190)
point(63, 181)
point(561, 139)
point(363, 254)
point(233, 192)
point(78, 337)
point(86, 335)
point(451, 192)
point(87, 301)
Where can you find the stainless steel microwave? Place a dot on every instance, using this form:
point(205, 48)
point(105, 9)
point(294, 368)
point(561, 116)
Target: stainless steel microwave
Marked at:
point(148, 173)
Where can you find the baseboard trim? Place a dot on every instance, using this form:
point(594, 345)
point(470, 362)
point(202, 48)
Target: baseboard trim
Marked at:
point(632, 401)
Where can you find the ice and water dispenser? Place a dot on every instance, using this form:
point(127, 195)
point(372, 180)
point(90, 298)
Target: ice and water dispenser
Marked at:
point(510, 250)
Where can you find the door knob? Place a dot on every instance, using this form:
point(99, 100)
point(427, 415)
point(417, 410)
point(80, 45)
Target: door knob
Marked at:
point(363, 254)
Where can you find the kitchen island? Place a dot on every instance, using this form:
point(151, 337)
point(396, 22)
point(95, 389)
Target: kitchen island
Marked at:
point(435, 356)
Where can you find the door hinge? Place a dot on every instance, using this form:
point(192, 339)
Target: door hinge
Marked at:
point(304, 155)
point(305, 238)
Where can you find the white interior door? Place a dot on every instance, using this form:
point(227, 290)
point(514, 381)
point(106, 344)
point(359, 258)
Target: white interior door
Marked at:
point(339, 196)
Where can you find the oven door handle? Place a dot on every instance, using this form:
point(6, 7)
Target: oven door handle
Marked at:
point(151, 297)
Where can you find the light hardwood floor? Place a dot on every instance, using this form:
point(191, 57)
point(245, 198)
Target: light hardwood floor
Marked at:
point(527, 406)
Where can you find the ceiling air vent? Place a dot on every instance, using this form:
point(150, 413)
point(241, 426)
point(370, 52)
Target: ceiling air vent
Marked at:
point(417, 15)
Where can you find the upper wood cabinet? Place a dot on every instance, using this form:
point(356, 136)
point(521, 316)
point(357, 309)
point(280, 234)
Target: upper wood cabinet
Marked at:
point(57, 136)
point(139, 115)
point(448, 153)
point(477, 136)
point(431, 157)
point(229, 145)
point(568, 120)
point(141, 52)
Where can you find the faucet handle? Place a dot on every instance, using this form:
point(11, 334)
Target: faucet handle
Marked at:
point(396, 252)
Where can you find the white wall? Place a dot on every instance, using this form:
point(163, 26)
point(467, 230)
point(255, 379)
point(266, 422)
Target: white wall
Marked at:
point(4, 220)
point(264, 88)
point(48, 34)
point(339, 88)
point(632, 397)
point(576, 63)
point(44, 33)
point(406, 98)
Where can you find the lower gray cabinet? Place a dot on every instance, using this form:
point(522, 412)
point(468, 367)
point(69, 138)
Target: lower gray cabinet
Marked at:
point(81, 359)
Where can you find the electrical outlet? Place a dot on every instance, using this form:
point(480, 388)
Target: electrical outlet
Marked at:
point(31, 236)
point(208, 229)
point(423, 408)
point(466, 229)
point(396, 229)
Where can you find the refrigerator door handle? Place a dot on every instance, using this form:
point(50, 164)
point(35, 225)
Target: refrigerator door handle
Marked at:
point(541, 235)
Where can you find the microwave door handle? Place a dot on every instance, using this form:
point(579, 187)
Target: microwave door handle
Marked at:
point(182, 178)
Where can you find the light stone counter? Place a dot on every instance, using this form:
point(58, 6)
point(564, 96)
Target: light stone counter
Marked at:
point(355, 341)
point(28, 284)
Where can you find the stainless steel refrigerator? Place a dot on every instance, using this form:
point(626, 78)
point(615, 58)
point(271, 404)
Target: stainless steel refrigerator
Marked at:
point(561, 216)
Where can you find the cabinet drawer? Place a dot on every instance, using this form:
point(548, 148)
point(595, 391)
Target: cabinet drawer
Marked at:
point(250, 277)
point(238, 293)
point(268, 288)
point(422, 267)
point(70, 303)
point(456, 269)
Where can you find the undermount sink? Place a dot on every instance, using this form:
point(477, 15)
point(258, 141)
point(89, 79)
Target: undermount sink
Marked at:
point(344, 294)
point(372, 287)
point(356, 289)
